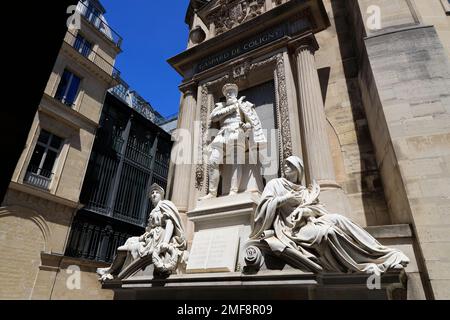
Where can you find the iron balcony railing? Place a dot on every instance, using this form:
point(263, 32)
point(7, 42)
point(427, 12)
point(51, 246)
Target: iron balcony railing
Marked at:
point(92, 56)
point(38, 177)
point(99, 23)
point(136, 102)
point(94, 241)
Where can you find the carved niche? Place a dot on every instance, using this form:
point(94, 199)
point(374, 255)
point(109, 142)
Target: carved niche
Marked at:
point(240, 70)
point(231, 13)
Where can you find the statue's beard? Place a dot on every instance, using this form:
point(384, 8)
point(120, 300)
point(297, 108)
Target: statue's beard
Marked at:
point(232, 101)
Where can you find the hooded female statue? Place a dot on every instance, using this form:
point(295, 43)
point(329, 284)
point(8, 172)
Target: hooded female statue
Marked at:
point(292, 222)
point(164, 240)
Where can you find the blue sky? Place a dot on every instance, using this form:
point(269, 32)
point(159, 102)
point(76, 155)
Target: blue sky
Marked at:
point(152, 32)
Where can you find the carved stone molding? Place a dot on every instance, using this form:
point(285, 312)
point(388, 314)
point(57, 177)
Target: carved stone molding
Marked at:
point(232, 13)
point(282, 111)
point(240, 71)
point(306, 43)
point(188, 88)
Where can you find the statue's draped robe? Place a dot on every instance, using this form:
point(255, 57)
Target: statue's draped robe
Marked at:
point(322, 241)
point(156, 231)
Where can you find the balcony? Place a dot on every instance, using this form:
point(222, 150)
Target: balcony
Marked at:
point(95, 18)
point(95, 241)
point(136, 102)
point(92, 56)
point(38, 177)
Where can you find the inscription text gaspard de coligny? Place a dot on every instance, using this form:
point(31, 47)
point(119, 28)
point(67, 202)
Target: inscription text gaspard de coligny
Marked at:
point(253, 43)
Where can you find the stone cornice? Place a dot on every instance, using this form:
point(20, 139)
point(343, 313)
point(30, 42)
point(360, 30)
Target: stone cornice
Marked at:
point(43, 194)
point(67, 114)
point(53, 261)
point(189, 87)
point(309, 42)
point(288, 11)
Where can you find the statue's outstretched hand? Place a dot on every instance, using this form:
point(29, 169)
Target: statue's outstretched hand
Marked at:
point(245, 126)
point(314, 192)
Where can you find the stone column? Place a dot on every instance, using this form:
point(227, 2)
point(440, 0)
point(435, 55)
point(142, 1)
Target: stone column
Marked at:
point(317, 151)
point(182, 150)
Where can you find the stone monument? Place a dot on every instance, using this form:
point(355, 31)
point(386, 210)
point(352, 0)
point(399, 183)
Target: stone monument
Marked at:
point(265, 238)
point(237, 142)
point(291, 224)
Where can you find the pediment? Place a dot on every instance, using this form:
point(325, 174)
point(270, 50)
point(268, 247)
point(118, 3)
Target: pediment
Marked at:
point(227, 14)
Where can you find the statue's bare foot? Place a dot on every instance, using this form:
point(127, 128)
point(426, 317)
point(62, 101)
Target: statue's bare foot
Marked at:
point(107, 276)
point(233, 193)
point(102, 271)
point(207, 197)
point(398, 267)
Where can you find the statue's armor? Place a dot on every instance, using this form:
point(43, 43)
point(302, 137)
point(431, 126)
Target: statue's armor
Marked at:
point(232, 137)
point(230, 129)
point(232, 120)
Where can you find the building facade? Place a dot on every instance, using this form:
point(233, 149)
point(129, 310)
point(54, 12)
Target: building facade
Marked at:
point(130, 153)
point(359, 89)
point(44, 193)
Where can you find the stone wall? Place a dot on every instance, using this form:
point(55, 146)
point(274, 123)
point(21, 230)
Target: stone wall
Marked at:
point(432, 12)
point(405, 80)
point(353, 152)
point(69, 279)
point(29, 225)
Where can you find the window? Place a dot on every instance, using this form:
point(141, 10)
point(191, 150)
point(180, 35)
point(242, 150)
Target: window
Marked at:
point(83, 46)
point(68, 88)
point(92, 14)
point(40, 169)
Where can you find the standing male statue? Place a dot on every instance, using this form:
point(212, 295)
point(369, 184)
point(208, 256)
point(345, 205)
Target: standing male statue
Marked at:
point(239, 128)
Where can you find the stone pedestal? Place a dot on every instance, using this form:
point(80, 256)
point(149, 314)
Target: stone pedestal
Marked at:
point(222, 226)
point(272, 285)
point(279, 280)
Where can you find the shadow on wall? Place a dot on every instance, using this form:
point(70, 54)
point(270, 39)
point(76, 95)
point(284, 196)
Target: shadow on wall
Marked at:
point(367, 182)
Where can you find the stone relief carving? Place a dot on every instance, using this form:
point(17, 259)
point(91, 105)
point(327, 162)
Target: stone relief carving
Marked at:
point(241, 70)
point(163, 244)
point(291, 223)
point(283, 109)
point(232, 13)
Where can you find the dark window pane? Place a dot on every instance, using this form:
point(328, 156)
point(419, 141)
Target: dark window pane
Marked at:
point(78, 42)
point(86, 50)
point(44, 136)
point(56, 142)
point(73, 90)
point(68, 88)
point(82, 45)
point(62, 88)
point(49, 163)
point(36, 159)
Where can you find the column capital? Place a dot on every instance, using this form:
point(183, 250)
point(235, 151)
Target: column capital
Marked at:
point(188, 88)
point(304, 43)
